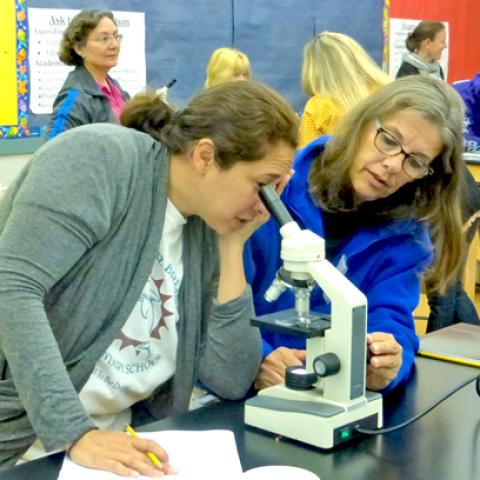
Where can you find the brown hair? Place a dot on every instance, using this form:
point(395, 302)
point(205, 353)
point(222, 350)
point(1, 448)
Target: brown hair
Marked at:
point(241, 118)
point(435, 198)
point(77, 32)
point(146, 112)
point(427, 29)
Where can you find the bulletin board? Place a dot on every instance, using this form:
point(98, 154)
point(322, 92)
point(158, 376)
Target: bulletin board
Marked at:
point(180, 37)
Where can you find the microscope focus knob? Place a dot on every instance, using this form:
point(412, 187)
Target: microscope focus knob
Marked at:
point(326, 364)
point(297, 378)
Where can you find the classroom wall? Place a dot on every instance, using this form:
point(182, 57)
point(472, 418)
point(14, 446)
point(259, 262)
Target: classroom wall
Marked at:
point(181, 35)
point(463, 17)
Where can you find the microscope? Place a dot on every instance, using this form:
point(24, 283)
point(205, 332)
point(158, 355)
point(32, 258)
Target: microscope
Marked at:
point(324, 402)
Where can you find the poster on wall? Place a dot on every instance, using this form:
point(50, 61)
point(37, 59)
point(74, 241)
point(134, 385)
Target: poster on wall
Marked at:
point(399, 30)
point(47, 72)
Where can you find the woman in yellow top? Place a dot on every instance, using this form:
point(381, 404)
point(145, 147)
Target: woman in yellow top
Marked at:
point(337, 73)
point(227, 65)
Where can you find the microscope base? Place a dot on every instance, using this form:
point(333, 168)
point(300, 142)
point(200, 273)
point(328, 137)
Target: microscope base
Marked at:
point(307, 417)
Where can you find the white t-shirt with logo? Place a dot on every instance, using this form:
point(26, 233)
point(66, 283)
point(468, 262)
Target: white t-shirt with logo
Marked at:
point(143, 354)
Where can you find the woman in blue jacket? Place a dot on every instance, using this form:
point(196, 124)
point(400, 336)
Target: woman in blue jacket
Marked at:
point(384, 193)
point(91, 43)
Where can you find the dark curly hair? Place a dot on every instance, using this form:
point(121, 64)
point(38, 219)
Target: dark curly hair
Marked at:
point(77, 32)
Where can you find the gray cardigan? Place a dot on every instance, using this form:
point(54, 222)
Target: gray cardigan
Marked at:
point(80, 228)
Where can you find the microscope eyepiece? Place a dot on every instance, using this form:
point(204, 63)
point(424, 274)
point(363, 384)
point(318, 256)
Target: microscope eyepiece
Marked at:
point(274, 205)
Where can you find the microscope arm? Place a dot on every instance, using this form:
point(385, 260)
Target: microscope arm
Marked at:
point(346, 337)
point(324, 403)
point(303, 255)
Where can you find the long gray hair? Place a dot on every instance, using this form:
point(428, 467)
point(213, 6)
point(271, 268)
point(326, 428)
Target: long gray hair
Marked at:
point(434, 198)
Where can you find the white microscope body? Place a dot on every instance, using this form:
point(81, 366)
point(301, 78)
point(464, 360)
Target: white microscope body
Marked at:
point(326, 412)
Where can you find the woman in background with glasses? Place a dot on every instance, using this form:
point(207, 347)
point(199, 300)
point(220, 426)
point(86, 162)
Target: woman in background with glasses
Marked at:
point(384, 193)
point(91, 43)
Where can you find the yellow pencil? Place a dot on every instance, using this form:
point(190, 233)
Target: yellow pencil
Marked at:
point(153, 458)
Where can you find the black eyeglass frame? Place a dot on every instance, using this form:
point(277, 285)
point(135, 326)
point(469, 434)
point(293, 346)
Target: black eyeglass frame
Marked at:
point(379, 130)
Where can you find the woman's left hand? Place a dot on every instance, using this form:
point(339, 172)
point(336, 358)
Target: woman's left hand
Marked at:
point(385, 361)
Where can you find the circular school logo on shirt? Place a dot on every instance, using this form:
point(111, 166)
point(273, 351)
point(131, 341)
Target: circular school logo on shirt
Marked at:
point(151, 309)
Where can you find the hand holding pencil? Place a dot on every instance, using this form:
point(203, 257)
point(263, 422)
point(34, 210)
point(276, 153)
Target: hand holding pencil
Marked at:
point(124, 454)
point(151, 455)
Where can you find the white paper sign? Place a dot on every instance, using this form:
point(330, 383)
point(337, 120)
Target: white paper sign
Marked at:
point(399, 30)
point(47, 72)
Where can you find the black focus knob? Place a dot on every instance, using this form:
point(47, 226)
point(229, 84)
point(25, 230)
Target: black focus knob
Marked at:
point(326, 364)
point(297, 378)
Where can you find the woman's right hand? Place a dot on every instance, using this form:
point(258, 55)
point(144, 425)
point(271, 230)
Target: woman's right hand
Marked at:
point(273, 368)
point(120, 453)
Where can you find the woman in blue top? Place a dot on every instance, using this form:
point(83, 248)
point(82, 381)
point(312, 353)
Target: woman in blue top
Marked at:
point(469, 90)
point(384, 193)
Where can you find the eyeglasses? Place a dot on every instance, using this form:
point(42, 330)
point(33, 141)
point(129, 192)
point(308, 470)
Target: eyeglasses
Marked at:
point(387, 144)
point(107, 39)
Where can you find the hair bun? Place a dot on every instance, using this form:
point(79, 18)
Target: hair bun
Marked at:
point(148, 113)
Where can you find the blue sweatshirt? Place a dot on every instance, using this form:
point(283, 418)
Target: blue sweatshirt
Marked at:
point(469, 90)
point(384, 262)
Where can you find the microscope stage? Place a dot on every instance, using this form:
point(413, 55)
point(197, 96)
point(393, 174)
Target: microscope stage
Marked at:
point(287, 321)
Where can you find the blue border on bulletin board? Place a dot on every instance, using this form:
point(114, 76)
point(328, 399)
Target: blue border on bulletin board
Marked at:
point(23, 129)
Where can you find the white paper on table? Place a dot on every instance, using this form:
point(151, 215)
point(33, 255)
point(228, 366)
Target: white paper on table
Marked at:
point(197, 455)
